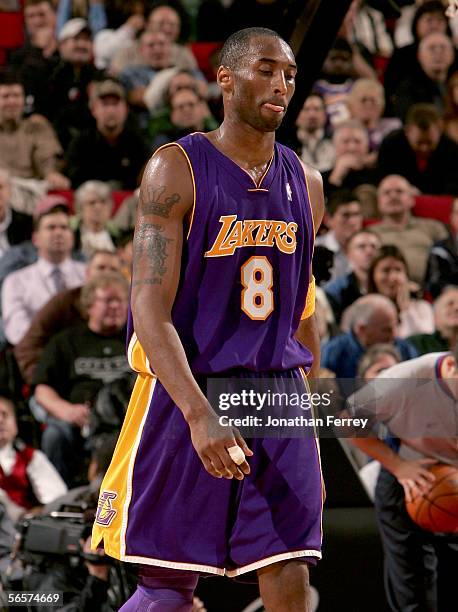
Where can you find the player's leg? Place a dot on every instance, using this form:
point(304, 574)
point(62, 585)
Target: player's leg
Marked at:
point(162, 590)
point(410, 560)
point(285, 587)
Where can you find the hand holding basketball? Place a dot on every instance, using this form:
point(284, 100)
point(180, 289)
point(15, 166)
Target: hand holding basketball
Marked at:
point(437, 509)
point(415, 477)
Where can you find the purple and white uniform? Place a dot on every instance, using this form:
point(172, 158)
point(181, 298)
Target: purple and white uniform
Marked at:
point(242, 291)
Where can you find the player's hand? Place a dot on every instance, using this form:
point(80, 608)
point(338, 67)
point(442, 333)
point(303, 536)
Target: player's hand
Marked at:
point(211, 441)
point(77, 414)
point(415, 477)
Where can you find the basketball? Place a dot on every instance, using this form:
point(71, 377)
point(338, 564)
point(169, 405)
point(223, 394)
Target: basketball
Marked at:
point(437, 511)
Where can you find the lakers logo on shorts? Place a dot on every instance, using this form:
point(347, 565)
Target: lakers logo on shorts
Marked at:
point(105, 511)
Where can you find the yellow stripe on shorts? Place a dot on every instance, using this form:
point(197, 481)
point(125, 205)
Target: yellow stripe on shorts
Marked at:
point(116, 489)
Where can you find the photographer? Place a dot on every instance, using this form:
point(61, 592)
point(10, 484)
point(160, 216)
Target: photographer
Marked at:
point(87, 582)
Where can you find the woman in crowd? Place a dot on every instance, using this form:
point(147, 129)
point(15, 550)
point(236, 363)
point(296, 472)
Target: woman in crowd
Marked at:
point(93, 229)
point(388, 275)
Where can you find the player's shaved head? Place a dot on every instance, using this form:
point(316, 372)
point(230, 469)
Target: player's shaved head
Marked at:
point(237, 46)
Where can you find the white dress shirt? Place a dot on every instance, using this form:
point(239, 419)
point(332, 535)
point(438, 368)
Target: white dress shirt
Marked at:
point(25, 291)
point(44, 478)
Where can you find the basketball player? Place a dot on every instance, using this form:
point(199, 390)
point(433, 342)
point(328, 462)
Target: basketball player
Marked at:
point(417, 400)
point(221, 286)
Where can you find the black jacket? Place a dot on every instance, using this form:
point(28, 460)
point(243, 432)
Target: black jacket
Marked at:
point(439, 177)
point(20, 228)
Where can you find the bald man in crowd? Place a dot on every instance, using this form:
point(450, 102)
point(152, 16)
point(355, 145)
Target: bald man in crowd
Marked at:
point(373, 319)
point(414, 236)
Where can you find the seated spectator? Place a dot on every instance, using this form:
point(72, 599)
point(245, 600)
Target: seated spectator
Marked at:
point(445, 336)
point(378, 358)
point(67, 101)
point(166, 84)
point(114, 151)
point(25, 291)
point(343, 218)
point(354, 164)
point(442, 266)
point(388, 276)
point(28, 146)
point(315, 148)
point(110, 42)
point(92, 226)
point(429, 17)
point(155, 54)
point(414, 236)
point(188, 114)
point(367, 29)
point(336, 81)
point(421, 152)
point(427, 83)
point(76, 364)
point(366, 103)
point(451, 108)
point(62, 311)
point(343, 291)
point(35, 60)
point(373, 319)
point(403, 34)
point(166, 18)
point(15, 227)
point(27, 479)
point(169, 20)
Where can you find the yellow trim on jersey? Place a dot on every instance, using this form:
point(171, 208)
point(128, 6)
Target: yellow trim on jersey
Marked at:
point(118, 478)
point(317, 443)
point(176, 144)
point(137, 358)
point(308, 197)
point(309, 308)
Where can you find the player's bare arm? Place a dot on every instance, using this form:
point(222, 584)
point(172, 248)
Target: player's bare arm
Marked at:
point(166, 201)
point(307, 332)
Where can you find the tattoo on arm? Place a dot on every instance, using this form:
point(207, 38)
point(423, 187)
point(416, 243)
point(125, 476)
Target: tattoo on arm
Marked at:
point(155, 206)
point(150, 243)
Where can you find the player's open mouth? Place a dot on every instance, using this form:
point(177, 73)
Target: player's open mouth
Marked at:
point(274, 107)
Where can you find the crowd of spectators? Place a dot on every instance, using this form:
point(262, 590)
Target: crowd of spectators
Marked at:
point(97, 86)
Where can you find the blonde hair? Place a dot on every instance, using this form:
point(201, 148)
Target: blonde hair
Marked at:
point(101, 281)
point(363, 85)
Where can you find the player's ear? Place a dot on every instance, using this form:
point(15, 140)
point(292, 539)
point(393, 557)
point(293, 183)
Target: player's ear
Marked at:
point(225, 78)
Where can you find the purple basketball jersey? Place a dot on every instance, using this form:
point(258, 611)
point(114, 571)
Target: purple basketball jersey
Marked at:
point(246, 263)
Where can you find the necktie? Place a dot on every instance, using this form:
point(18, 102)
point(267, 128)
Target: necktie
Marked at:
point(58, 279)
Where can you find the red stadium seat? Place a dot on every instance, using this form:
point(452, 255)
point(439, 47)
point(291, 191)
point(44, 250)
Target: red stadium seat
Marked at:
point(12, 32)
point(434, 207)
point(203, 51)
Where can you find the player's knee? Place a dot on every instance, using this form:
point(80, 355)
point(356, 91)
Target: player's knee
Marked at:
point(287, 583)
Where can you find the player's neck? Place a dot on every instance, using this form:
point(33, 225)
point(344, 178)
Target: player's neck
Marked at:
point(248, 147)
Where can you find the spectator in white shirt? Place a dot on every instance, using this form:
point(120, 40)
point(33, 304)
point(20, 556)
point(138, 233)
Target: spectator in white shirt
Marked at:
point(27, 478)
point(25, 291)
point(317, 148)
point(343, 218)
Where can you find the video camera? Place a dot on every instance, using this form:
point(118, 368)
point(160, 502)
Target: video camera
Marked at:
point(58, 533)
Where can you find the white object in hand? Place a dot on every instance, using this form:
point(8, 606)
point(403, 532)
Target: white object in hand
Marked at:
point(236, 454)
